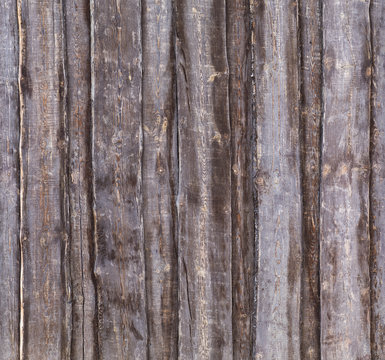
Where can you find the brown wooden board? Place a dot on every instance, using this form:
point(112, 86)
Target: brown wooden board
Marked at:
point(278, 180)
point(204, 203)
point(344, 226)
point(117, 150)
point(45, 306)
point(377, 181)
point(9, 181)
point(160, 177)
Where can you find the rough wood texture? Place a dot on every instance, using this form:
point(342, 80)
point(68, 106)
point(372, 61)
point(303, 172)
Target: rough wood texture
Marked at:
point(310, 111)
point(45, 287)
point(160, 162)
point(344, 254)
point(239, 60)
point(117, 152)
point(9, 182)
point(192, 179)
point(277, 181)
point(205, 321)
point(78, 70)
point(377, 181)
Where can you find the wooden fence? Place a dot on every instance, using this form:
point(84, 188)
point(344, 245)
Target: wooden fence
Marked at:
point(192, 179)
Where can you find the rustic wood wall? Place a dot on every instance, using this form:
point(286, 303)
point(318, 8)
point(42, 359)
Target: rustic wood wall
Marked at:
point(192, 179)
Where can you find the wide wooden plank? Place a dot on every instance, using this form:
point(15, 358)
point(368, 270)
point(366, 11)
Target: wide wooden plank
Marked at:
point(9, 181)
point(278, 182)
point(310, 19)
point(344, 252)
point(77, 32)
point(117, 151)
point(160, 176)
point(204, 203)
point(240, 102)
point(377, 181)
point(45, 286)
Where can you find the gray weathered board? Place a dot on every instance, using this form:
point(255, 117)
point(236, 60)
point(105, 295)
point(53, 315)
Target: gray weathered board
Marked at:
point(192, 179)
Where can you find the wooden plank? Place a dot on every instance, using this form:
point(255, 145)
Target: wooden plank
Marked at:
point(9, 182)
point(239, 60)
point(344, 252)
point(77, 32)
point(377, 181)
point(45, 288)
point(117, 151)
point(310, 19)
point(160, 178)
point(278, 181)
point(204, 203)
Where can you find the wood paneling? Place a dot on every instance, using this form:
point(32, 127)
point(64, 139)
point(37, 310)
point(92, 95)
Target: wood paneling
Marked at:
point(192, 179)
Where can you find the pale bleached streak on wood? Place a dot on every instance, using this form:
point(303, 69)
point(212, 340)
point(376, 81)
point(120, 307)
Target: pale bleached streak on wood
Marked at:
point(311, 105)
point(45, 303)
point(205, 321)
point(239, 59)
point(344, 252)
point(9, 182)
point(277, 182)
point(77, 31)
point(377, 200)
point(159, 178)
point(117, 138)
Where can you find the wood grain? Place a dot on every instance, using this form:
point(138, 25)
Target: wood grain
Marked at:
point(204, 203)
point(192, 179)
point(310, 24)
point(117, 152)
point(78, 69)
point(344, 253)
point(45, 325)
point(377, 181)
point(238, 29)
point(9, 181)
point(278, 181)
point(160, 177)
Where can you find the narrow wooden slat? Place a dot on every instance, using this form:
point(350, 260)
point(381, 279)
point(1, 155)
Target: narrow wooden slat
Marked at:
point(45, 302)
point(277, 180)
point(9, 182)
point(205, 328)
point(160, 178)
point(377, 201)
point(239, 59)
point(117, 138)
point(344, 252)
point(311, 101)
point(77, 32)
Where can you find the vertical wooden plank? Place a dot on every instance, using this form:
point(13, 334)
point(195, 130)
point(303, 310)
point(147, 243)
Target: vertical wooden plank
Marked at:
point(344, 252)
point(117, 138)
point(159, 178)
point(277, 180)
point(311, 104)
point(239, 58)
point(45, 303)
point(77, 31)
point(205, 327)
point(9, 182)
point(377, 181)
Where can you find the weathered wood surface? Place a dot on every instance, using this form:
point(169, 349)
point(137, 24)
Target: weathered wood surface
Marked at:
point(277, 180)
point(160, 178)
point(310, 37)
point(344, 211)
point(192, 179)
point(9, 181)
point(377, 181)
point(204, 199)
